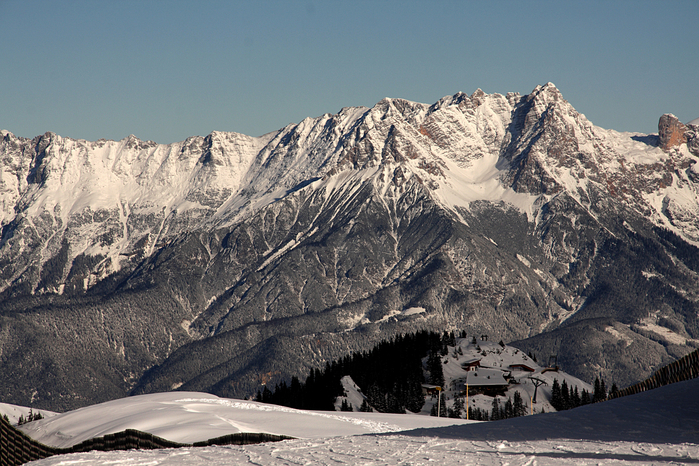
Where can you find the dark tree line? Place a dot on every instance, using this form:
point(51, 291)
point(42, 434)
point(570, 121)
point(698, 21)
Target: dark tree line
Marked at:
point(32, 416)
point(317, 393)
point(512, 407)
point(391, 375)
point(564, 397)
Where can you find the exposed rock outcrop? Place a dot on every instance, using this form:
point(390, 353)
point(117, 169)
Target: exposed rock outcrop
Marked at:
point(671, 131)
point(692, 135)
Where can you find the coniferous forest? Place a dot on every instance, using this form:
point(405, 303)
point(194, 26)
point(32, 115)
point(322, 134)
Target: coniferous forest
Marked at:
point(564, 397)
point(391, 375)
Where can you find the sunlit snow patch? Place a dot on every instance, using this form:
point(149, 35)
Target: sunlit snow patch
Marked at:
point(618, 335)
point(665, 333)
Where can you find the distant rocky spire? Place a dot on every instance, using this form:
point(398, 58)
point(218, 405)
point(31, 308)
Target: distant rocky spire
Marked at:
point(671, 131)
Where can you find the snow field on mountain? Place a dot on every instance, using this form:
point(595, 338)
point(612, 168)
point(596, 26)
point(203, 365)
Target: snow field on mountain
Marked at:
point(480, 181)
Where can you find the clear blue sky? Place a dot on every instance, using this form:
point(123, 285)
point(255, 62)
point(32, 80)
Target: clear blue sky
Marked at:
point(165, 70)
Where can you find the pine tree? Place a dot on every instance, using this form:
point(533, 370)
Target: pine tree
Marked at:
point(509, 409)
point(393, 404)
point(519, 408)
point(414, 399)
point(444, 350)
point(495, 414)
point(434, 366)
point(604, 391)
point(575, 398)
point(376, 398)
point(600, 392)
point(565, 396)
point(295, 393)
point(457, 407)
point(556, 396)
point(365, 408)
point(585, 397)
point(266, 395)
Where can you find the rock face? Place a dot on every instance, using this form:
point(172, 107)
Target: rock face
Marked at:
point(224, 262)
point(671, 131)
point(692, 135)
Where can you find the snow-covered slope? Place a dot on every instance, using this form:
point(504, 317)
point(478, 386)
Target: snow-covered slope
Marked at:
point(655, 427)
point(189, 417)
point(353, 395)
point(14, 412)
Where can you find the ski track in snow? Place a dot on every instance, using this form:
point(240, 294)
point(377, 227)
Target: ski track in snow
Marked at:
point(399, 450)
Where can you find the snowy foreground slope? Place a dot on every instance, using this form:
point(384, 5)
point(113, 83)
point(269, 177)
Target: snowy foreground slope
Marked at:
point(655, 427)
point(188, 417)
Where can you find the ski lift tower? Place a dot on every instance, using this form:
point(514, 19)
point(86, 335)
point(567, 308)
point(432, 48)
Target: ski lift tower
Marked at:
point(553, 359)
point(536, 381)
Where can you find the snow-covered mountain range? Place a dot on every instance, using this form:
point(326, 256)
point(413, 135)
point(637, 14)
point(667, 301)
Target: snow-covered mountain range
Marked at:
point(223, 262)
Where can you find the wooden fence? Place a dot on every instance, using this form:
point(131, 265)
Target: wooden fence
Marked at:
point(685, 368)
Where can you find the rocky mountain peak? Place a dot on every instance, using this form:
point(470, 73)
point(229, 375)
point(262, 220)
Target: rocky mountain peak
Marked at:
point(478, 97)
point(671, 132)
point(546, 92)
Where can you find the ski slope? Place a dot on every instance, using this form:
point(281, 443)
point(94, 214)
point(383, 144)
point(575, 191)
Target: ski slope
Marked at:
point(188, 417)
point(656, 427)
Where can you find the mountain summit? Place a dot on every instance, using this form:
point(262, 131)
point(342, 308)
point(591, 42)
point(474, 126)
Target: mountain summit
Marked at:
point(224, 262)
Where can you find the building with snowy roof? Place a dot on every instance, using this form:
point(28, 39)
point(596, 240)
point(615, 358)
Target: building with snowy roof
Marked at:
point(490, 382)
